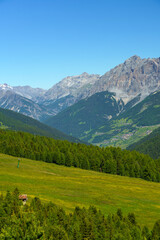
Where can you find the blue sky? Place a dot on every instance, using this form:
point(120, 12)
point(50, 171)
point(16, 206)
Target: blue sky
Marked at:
point(43, 41)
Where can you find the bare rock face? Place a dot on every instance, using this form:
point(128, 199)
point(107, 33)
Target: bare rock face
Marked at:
point(70, 86)
point(134, 76)
point(29, 92)
point(13, 101)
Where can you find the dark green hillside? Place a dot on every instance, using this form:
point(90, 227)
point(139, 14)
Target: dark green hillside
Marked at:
point(18, 122)
point(130, 126)
point(107, 160)
point(87, 114)
point(149, 144)
point(147, 112)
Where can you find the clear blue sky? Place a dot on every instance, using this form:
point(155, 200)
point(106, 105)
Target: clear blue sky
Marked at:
point(43, 41)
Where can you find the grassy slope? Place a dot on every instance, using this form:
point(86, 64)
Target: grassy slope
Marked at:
point(19, 122)
point(69, 187)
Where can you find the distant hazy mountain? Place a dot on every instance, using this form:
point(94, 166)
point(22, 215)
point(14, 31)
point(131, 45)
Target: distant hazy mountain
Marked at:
point(71, 86)
point(60, 96)
point(29, 92)
point(24, 91)
point(68, 91)
point(13, 101)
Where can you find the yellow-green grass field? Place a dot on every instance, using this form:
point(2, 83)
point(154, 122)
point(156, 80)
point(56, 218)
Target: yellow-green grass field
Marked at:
point(70, 187)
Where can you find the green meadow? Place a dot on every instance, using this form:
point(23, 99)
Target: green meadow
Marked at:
point(69, 187)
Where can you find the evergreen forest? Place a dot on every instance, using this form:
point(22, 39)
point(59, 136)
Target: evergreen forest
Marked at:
point(149, 145)
point(39, 220)
point(106, 159)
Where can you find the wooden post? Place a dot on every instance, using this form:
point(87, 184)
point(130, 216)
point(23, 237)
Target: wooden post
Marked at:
point(18, 162)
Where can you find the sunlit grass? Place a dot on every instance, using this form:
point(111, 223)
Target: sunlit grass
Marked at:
point(69, 187)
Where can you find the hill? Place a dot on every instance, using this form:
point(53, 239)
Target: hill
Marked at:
point(70, 187)
point(148, 145)
point(87, 114)
point(18, 122)
point(108, 160)
point(129, 126)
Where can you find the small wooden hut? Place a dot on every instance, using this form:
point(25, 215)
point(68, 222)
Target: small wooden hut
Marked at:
point(23, 198)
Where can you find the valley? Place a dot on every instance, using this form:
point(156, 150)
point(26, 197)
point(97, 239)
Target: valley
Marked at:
point(125, 137)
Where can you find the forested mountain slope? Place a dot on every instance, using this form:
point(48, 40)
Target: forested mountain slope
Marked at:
point(18, 122)
point(129, 126)
point(87, 114)
point(149, 144)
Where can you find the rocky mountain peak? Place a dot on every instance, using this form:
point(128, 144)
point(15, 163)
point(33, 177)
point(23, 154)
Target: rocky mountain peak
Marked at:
point(70, 85)
point(133, 58)
point(84, 74)
point(134, 76)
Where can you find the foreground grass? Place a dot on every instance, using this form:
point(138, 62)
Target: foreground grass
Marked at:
point(70, 187)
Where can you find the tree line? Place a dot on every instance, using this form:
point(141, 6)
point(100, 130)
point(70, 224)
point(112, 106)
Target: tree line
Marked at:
point(106, 159)
point(39, 220)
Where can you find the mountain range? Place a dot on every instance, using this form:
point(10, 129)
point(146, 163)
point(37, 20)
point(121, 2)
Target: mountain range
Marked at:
point(92, 107)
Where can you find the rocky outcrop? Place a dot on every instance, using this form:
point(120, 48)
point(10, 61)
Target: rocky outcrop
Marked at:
point(68, 91)
point(70, 86)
